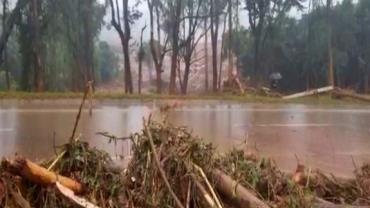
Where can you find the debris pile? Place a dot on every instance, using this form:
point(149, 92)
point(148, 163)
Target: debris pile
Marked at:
point(171, 168)
point(87, 171)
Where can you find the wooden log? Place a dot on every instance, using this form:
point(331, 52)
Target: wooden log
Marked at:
point(70, 195)
point(310, 92)
point(207, 197)
point(342, 93)
point(236, 192)
point(40, 175)
point(321, 203)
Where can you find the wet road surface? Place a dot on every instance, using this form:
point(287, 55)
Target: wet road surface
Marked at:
point(334, 139)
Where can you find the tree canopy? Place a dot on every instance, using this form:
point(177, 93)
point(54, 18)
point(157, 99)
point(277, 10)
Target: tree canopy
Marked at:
point(53, 45)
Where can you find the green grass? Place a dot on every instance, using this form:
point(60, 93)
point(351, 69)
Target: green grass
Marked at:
point(247, 98)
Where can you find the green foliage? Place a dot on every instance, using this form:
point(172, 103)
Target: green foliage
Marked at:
point(298, 48)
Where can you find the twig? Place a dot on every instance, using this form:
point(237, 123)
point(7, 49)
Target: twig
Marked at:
point(205, 194)
point(112, 137)
point(71, 195)
point(200, 170)
point(79, 114)
point(188, 195)
point(161, 171)
point(56, 160)
point(91, 96)
point(308, 177)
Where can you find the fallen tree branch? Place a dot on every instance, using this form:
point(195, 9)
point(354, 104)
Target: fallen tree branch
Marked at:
point(207, 197)
point(78, 117)
point(70, 195)
point(310, 92)
point(339, 93)
point(41, 175)
point(321, 203)
point(235, 192)
point(200, 170)
point(19, 199)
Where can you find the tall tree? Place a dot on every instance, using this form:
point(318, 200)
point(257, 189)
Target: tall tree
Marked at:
point(191, 23)
point(175, 11)
point(80, 23)
point(263, 15)
point(216, 8)
point(5, 4)
point(125, 35)
point(37, 46)
point(206, 67)
point(230, 39)
point(159, 47)
point(88, 41)
point(330, 51)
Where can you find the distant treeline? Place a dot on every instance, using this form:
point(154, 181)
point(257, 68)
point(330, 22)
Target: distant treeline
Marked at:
point(52, 45)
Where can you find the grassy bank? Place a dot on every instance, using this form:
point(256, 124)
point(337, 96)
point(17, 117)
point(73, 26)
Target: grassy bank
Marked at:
point(247, 98)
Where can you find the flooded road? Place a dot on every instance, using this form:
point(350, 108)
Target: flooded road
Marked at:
point(333, 139)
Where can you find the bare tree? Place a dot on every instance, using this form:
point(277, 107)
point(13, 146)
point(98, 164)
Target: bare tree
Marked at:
point(124, 34)
point(205, 27)
point(38, 81)
point(223, 34)
point(158, 50)
point(88, 42)
point(191, 24)
point(175, 14)
point(216, 7)
point(230, 27)
point(5, 55)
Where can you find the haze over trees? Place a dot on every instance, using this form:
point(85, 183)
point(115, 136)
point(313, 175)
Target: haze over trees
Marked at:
point(53, 45)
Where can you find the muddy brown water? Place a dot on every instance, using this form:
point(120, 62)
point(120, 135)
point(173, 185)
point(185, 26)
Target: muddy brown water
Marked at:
point(334, 139)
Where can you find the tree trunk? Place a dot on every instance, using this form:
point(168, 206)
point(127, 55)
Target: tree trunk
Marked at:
point(230, 53)
point(214, 35)
point(330, 52)
point(206, 56)
point(126, 49)
point(159, 79)
point(256, 54)
point(175, 46)
point(38, 81)
point(235, 192)
point(222, 49)
point(157, 58)
point(5, 55)
point(88, 43)
point(140, 76)
point(186, 76)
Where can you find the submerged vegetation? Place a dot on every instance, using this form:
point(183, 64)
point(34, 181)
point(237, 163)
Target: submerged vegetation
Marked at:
point(170, 167)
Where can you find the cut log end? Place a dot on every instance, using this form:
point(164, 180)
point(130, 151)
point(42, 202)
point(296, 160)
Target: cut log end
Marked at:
point(40, 175)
